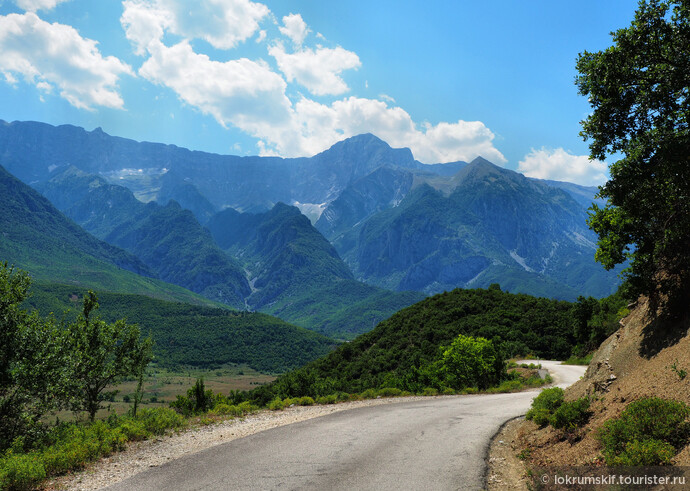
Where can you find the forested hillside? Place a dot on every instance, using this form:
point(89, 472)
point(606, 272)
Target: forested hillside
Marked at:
point(398, 352)
point(193, 336)
point(36, 237)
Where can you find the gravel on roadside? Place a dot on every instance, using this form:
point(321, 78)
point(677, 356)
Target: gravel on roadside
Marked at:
point(140, 456)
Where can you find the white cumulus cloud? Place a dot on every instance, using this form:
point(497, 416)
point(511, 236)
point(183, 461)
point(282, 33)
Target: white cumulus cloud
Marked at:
point(222, 23)
point(56, 56)
point(560, 165)
point(317, 126)
point(35, 5)
point(241, 92)
point(250, 96)
point(316, 69)
point(295, 28)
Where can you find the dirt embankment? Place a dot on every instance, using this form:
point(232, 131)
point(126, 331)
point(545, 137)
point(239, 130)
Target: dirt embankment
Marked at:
point(642, 359)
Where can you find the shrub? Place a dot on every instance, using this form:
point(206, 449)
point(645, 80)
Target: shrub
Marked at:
point(544, 405)
point(133, 430)
point(21, 472)
point(330, 399)
point(77, 445)
point(158, 421)
point(646, 452)
point(448, 391)
point(430, 391)
point(369, 394)
point(470, 362)
point(246, 407)
point(571, 415)
point(389, 392)
point(305, 401)
point(645, 431)
point(276, 404)
point(507, 386)
point(539, 416)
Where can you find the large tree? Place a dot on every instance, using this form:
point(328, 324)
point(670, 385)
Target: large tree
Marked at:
point(32, 362)
point(638, 89)
point(101, 354)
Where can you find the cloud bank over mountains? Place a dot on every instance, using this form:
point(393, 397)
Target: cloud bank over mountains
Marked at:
point(294, 99)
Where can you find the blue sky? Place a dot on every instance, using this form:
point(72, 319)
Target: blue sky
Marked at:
point(449, 79)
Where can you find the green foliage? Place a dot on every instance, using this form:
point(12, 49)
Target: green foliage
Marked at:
point(544, 405)
point(640, 108)
point(471, 362)
point(69, 447)
point(219, 336)
point(168, 239)
point(227, 409)
point(197, 401)
point(21, 472)
point(579, 360)
point(571, 415)
point(100, 354)
point(401, 351)
point(389, 392)
point(680, 372)
point(648, 432)
point(645, 453)
point(595, 320)
point(305, 401)
point(38, 238)
point(276, 404)
point(33, 362)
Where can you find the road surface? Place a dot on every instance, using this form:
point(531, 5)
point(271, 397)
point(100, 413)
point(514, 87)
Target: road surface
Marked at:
point(432, 444)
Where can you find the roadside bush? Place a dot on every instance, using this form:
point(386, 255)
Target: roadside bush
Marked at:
point(470, 362)
point(369, 394)
point(21, 472)
point(571, 415)
point(544, 405)
point(134, 430)
point(539, 416)
point(77, 445)
point(646, 431)
point(430, 391)
point(645, 453)
point(330, 399)
point(389, 392)
point(506, 386)
point(239, 410)
point(158, 421)
point(276, 404)
point(198, 400)
point(305, 401)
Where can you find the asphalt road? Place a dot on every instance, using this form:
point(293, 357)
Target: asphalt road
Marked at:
point(432, 444)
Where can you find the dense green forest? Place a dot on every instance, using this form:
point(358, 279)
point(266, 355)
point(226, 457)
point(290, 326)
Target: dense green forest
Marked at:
point(188, 335)
point(397, 352)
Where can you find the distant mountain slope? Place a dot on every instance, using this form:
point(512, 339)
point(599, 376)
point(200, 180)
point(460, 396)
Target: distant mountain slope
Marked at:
point(297, 275)
point(187, 335)
point(484, 225)
point(169, 240)
point(33, 150)
point(382, 189)
point(36, 237)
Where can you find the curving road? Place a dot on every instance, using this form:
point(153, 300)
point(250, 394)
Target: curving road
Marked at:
point(436, 443)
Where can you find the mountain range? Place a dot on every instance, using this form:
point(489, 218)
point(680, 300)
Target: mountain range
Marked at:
point(358, 228)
